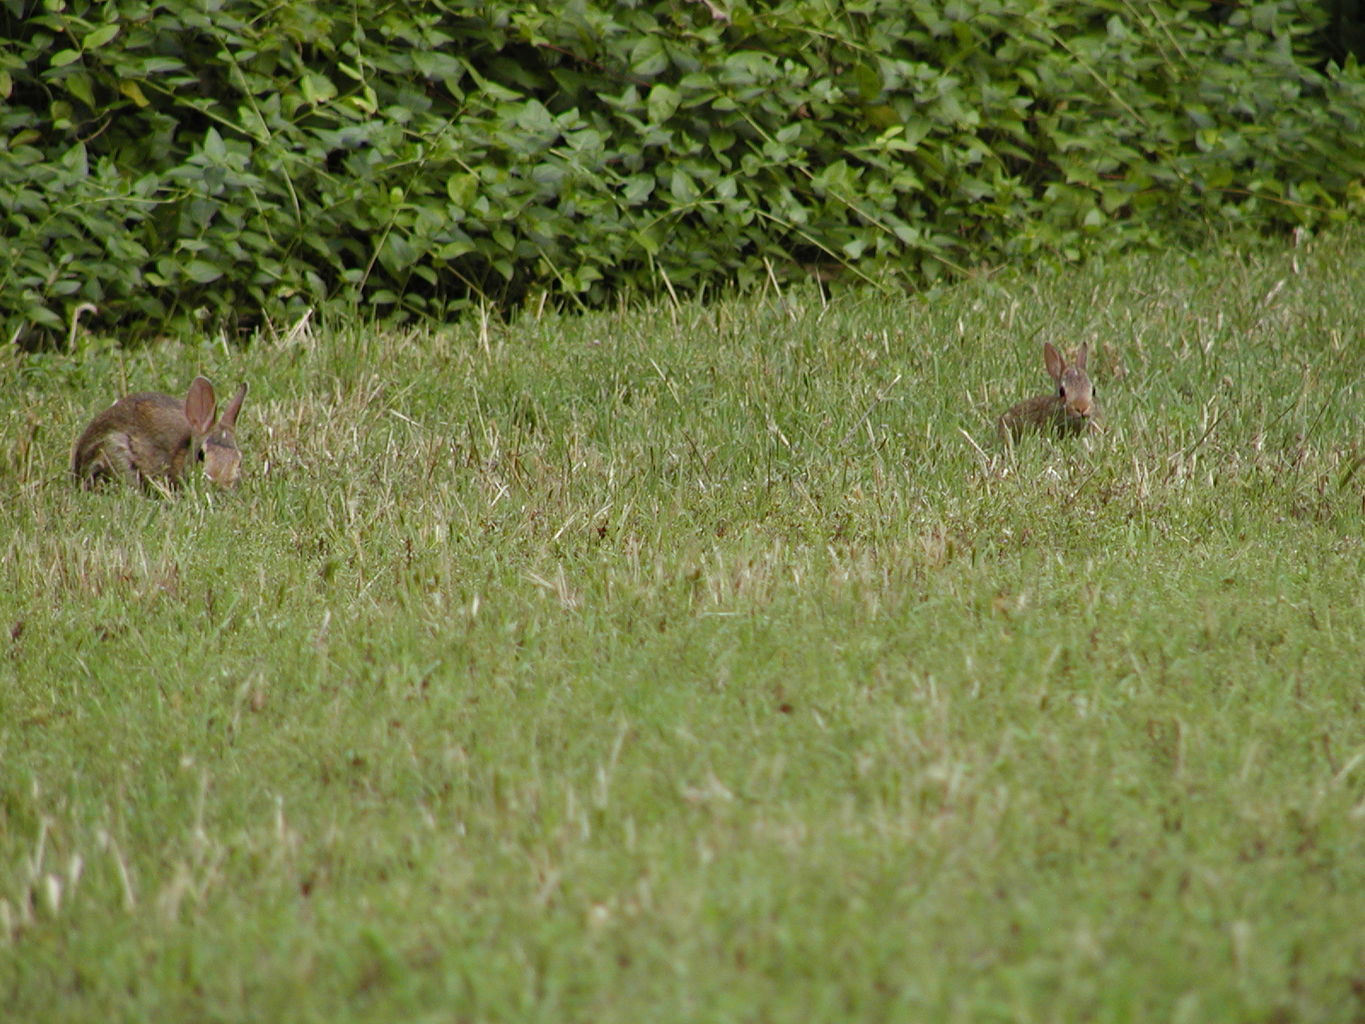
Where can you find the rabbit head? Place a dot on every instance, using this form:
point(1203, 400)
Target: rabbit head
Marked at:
point(214, 437)
point(1074, 389)
point(1069, 410)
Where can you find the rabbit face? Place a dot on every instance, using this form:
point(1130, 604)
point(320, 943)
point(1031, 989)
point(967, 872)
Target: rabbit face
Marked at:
point(222, 460)
point(1076, 393)
point(220, 453)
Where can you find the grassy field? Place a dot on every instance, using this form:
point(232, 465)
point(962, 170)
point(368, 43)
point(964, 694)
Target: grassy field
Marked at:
point(708, 663)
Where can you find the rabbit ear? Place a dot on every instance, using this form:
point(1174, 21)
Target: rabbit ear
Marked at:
point(201, 406)
point(1082, 354)
point(229, 417)
point(1056, 365)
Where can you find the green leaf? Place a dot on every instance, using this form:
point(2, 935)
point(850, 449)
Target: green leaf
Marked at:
point(682, 187)
point(62, 58)
point(663, 103)
point(454, 250)
point(867, 80)
point(133, 91)
point(746, 67)
point(76, 161)
point(533, 116)
point(202, 272)
point(78, 85)
point(155, 66)
point(462, 189)
point(638, 188)
point(97, 38)
point(213, 145)
point(648, 241)
point(42, 315)
point(647, 57)
point(317, 89)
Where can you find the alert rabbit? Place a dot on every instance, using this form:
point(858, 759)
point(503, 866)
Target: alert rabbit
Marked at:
point(1069, 410)
point(149, 436)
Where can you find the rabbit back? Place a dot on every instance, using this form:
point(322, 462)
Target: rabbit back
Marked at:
point(1043, 414)
point(140, 437)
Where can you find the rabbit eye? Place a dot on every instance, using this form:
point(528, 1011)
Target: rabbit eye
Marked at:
point(1061, 391)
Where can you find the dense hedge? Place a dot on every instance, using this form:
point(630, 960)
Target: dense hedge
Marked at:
point(186, 161)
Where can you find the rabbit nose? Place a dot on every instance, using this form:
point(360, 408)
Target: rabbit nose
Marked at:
point(1081, 406)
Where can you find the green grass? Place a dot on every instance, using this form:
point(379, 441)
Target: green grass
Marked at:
point(708, 663)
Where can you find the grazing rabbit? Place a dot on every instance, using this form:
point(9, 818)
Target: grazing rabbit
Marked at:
point(1068, 411)
point(149, 436)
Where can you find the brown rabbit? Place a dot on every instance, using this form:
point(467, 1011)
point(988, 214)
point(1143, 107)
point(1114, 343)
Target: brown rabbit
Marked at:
point(149, 436)
point(1068, 411)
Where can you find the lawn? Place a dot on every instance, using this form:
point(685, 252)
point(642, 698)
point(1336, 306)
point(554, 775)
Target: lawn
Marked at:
point(707, 662)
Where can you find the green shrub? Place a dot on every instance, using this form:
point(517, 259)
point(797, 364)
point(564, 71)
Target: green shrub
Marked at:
point(185, 161)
